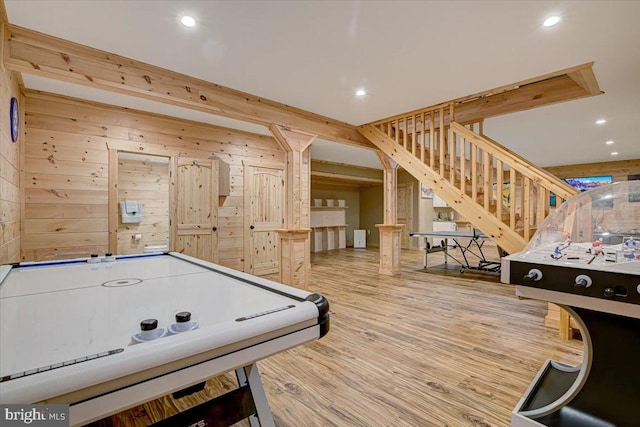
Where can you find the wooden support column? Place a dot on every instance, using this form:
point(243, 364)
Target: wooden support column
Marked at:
point(295, 261)
point(390, 230)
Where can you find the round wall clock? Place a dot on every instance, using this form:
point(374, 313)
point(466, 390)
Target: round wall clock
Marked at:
point(14, 117)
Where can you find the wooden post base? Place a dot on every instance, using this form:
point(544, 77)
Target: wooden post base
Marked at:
point(295, 261)
point(390, 248)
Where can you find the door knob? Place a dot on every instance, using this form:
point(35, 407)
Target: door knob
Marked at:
point(214, 228)
point(251, 227)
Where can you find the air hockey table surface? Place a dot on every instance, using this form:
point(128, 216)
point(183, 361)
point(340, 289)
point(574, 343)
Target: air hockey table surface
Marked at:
point(67, 328)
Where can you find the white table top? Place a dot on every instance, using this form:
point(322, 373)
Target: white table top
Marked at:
point(50, 314)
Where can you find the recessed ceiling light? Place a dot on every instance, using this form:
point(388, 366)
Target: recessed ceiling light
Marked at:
point(609, 142)
point(614, 153)
point(188, 21)
point(361, 92)
point(601, 121)
point(551, 21)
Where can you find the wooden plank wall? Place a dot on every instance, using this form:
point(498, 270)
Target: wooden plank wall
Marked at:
point(146, 180)
point(619, 170)
point(10, 196)
point(67, 170)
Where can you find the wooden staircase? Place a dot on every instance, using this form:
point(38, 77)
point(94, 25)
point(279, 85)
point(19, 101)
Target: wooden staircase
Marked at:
point(500, 193)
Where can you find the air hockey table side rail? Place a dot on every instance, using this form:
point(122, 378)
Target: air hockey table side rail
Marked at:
point(96, 387)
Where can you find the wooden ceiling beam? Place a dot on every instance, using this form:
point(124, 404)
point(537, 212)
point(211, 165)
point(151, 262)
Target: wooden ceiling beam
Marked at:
point(32, 52)
point(539, 94)
point(587, 79)
point(563, 85)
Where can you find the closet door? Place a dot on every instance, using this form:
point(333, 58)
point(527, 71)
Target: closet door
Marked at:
point(264, 213)
point(196, 208)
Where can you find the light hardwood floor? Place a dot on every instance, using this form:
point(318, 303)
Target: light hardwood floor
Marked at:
point(415, 350)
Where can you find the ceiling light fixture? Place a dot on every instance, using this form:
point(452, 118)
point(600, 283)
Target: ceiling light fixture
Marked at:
point(361, 92)
point(551, 21)
point(614, 153)
point(188, 21)
point(601, 121)
point(609, 142)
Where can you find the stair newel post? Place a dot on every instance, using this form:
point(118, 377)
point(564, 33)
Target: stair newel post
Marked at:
point(390, 230)
point(294, 244)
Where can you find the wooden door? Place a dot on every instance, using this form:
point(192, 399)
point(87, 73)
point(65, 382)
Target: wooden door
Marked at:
point(196, 208)
point(264, 213)
point(405, 213)
point(145, 179)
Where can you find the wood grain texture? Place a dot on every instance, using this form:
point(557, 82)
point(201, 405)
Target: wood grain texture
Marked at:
point(41, 54)
point(10, 192)
point(411, 350)
point(463, 204)
point(558, 86)
point(67, 170)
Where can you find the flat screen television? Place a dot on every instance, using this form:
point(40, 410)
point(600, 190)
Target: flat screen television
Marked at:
point(587, 183)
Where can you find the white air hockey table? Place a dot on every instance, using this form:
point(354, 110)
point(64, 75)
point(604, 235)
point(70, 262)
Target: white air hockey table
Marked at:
point(70, 333)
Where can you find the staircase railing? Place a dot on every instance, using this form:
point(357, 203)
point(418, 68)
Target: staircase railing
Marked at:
point(499, 181)
point(524, 188)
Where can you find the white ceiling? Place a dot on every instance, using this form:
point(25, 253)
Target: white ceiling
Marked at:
point(315, 54)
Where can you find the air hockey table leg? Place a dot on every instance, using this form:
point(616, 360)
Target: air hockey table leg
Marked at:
point(249, 375)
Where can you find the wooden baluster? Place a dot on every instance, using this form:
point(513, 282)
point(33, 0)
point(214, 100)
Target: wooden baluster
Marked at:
point(533, 203)
point(432, 151)
point(543, 205)
point(424, 136)
point(512, 202)
point(388, 129)
point(474, 171)
point(397, 131)
point(441, 145)
point(463, 165)
point(413, 135)
point(404, 132)
point(526, 206)
point(488, 180)
point(499, 188)
point(452, 156)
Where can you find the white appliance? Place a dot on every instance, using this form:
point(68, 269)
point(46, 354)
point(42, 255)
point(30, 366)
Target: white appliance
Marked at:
point(359, 239)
